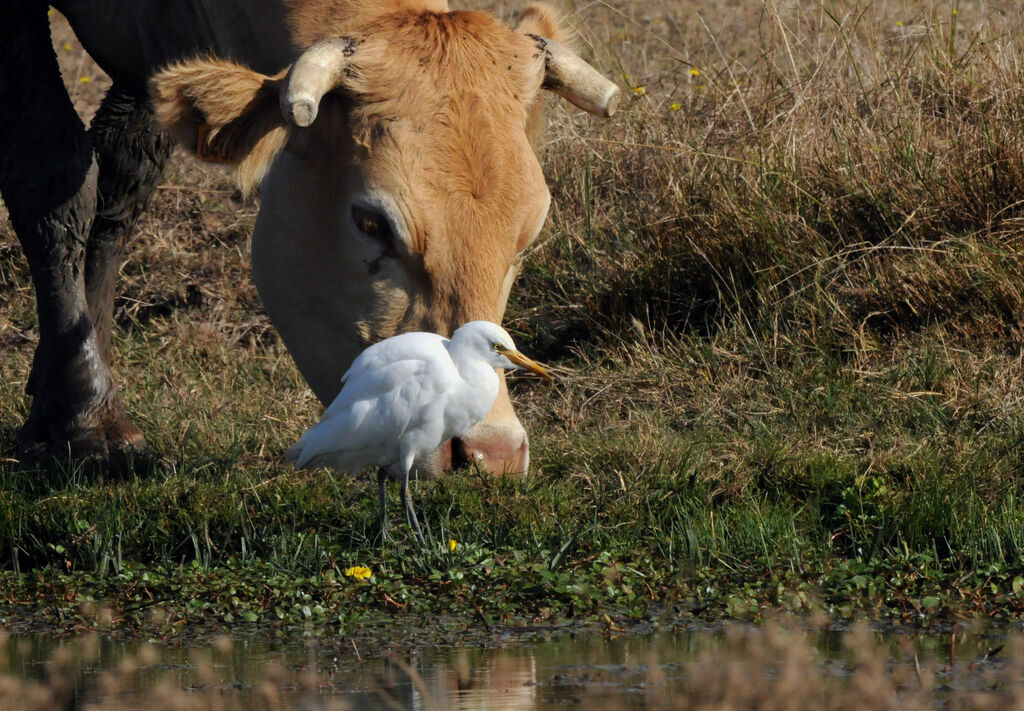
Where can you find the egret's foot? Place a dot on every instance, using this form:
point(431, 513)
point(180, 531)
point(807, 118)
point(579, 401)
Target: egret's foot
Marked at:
point(416, 527)
point(382, 499)
point(410, 512)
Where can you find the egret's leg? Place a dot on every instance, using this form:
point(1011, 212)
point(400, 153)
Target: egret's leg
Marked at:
point(410, 513)
point(382, 494)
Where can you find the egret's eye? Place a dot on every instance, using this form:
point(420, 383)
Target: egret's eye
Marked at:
point(496, 346)
point(373, 224)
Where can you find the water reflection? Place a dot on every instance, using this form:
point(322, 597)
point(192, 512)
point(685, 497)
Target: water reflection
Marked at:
point(730, 666)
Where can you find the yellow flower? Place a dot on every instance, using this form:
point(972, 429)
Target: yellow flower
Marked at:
point(695, 72)
point(84, 80)
point(67, 46)
point(639, 91)
point(899, 23)
point(452, 545)
point(676, 106)
point(358, 572)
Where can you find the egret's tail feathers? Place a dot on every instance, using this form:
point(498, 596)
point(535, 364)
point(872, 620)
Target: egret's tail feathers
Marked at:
point(305, 456)
point(306, 453)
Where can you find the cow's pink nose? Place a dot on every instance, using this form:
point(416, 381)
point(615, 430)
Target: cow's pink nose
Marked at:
point(501, 452)
point(493, 452)
point(497, 445)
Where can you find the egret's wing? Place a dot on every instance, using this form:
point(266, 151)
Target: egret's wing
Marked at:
point(356, 420)
point(371, 374)
point(422, 398)
point(378, 403)
point(405, 346)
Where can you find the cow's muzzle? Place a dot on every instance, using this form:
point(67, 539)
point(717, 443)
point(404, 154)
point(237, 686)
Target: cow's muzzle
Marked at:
point(494, 449)
point(497, 445)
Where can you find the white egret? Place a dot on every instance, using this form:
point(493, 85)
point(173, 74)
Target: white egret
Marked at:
point(405, 396)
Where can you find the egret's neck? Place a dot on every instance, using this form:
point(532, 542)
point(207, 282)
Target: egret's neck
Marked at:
point(480, 376)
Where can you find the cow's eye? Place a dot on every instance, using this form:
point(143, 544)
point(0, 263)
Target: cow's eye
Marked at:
point(373, 224)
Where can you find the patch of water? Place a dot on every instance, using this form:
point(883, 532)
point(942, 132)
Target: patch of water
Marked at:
point(730, 665)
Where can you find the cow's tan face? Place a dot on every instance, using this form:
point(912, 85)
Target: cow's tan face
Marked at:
point(437, 193)
point(406, 204)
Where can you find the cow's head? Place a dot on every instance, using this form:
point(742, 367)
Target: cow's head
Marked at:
point(399, 185)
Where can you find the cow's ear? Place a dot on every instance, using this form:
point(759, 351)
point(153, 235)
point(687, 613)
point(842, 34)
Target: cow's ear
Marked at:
point(540, 21)
point(224, 112)
point(543, 21)
point(564, 72)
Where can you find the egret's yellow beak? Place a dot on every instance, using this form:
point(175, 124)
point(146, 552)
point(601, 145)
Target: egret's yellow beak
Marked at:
point(525, 363)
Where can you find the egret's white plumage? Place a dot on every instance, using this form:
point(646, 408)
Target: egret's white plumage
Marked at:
point(405, 396)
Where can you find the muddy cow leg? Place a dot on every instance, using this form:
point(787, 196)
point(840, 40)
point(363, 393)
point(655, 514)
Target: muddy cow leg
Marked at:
point(48, 182)
point(131, 152)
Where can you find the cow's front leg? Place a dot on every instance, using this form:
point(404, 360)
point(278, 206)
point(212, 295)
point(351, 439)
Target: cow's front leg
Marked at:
point(76, 409)
point(48, 182)
point(131, 152)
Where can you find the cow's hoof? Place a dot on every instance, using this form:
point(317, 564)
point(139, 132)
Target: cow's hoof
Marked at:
point(106, 445)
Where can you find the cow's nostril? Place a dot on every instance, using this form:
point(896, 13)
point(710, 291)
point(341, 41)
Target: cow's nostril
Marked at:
point(458, 458)
point(466, 454)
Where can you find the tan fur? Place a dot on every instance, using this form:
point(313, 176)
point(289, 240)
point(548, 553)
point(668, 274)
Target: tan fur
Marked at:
point(456, 92)
point(542, 20)
point(314, 20)
point(238, 104)
point(453, 90)
point(241, 105)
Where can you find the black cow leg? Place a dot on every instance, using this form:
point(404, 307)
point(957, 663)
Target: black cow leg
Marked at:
point(76, 409)
point(48, 182)
point(131, 151)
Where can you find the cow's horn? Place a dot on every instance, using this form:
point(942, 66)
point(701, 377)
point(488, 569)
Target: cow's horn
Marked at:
point(566, 74)
point(317, 70)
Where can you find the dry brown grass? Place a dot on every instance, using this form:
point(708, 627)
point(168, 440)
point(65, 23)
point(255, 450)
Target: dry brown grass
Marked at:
point(809, 219)
point(840, 172)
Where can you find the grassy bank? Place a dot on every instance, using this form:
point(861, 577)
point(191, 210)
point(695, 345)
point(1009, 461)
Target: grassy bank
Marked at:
point(783, 294)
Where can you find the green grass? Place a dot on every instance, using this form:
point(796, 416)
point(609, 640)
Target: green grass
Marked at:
point(786, 319)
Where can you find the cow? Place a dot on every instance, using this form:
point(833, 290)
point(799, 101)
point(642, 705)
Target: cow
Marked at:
point(392, 141)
